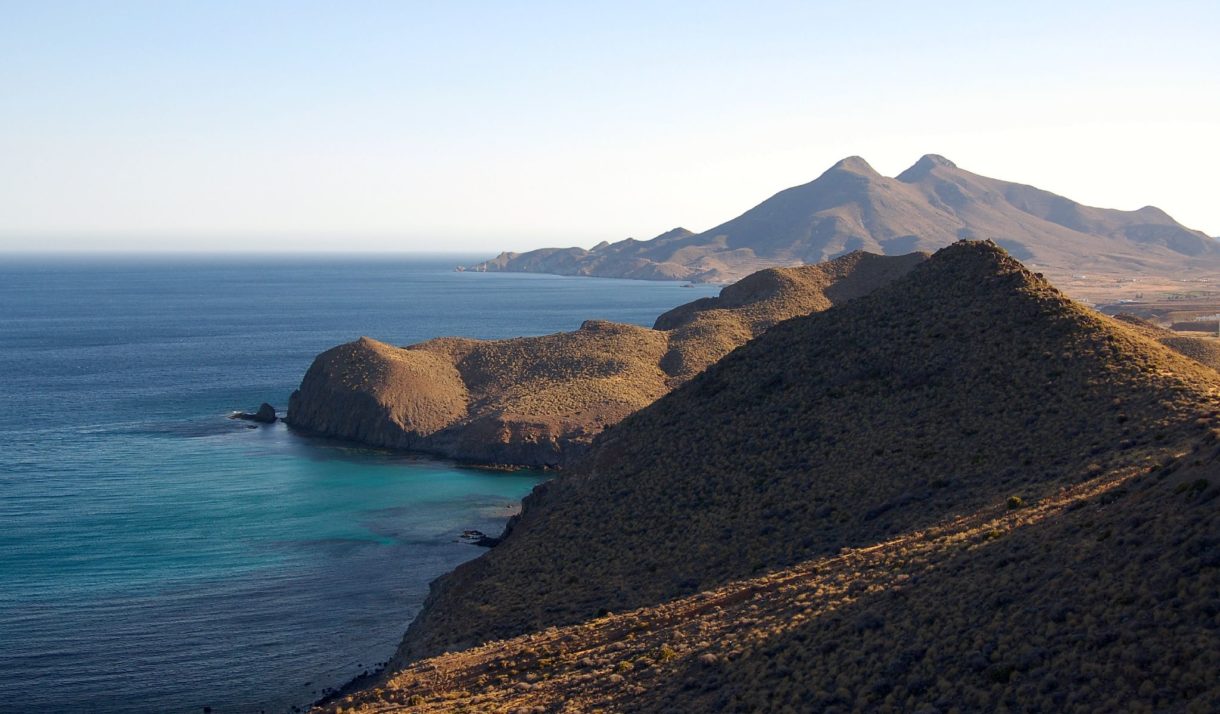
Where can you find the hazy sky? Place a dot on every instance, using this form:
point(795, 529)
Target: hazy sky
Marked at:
point(510, 125)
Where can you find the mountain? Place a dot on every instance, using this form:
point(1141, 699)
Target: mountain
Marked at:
point(852, 207)
point(964, 383)
point(539, 401)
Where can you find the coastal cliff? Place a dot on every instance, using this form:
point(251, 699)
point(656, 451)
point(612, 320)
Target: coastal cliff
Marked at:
point(540, 401)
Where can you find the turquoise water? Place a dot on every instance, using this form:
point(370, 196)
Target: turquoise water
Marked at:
point(158, 557)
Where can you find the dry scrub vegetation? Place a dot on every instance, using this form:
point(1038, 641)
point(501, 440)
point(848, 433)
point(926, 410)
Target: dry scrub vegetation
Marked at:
point(961, 492)
point(1205, 350)
point(965, 382)
point(1103, 596)
point(539, 401)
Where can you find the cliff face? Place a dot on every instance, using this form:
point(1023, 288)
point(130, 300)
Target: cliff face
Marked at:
point(852, 207)
point(539, 401)
point(963, 383)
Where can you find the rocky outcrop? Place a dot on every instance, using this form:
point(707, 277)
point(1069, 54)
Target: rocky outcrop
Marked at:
point(265, 414)
point(540, 401)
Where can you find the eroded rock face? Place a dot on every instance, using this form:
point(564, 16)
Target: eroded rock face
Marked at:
point(539, 401)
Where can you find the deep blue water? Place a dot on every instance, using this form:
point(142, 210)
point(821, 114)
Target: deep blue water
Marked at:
point(158, 557)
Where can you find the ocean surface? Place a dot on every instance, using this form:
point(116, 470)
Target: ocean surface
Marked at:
point(156, 556)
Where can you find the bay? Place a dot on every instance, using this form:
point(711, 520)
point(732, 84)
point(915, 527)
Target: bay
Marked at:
point(158, 557)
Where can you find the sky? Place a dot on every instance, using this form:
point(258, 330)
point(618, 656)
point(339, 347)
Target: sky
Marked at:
point(485, 126)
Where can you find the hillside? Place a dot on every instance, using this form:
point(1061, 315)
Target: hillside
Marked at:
point(539, 401)
point(1205, 350)
point(965, 382)
point(1101, 597)
point(928, 206)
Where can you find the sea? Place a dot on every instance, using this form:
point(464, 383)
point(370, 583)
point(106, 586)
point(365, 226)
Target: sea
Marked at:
point(157, 556)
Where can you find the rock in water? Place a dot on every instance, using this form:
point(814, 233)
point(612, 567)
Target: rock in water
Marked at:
point(265, 414)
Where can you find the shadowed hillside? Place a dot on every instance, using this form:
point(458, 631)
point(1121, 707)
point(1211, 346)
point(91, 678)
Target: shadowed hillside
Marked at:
point(539, 401)
point(1101, 597)
point(964, 383)
point(852, 207)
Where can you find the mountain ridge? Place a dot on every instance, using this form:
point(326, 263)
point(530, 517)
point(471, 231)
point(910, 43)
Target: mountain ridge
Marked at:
point(851, 206)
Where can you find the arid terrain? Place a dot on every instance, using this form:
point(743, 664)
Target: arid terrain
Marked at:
point(1069, 604)
point(959, 492)
point(539, 401)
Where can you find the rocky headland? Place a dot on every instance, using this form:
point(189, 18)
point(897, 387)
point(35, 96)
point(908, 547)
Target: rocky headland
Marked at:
point(540, 401)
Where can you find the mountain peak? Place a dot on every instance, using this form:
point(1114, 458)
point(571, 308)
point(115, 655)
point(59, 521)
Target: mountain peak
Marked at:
point(977, 262)
point(924, 166)
point(936, 160)
point(856, 165)
point(933, 203)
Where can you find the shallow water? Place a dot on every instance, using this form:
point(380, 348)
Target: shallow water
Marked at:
point(156, 556)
